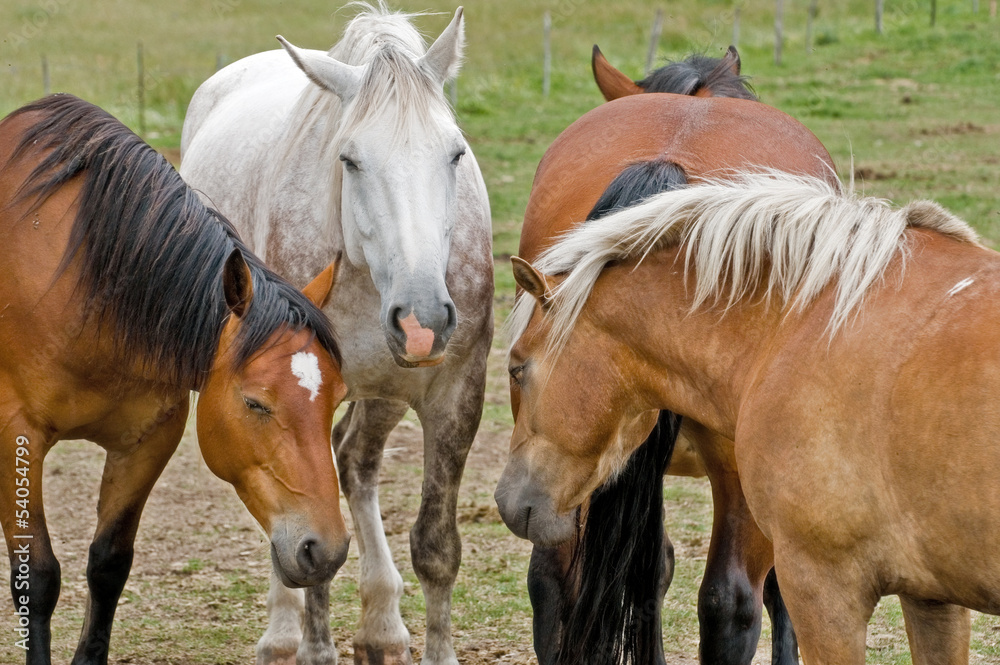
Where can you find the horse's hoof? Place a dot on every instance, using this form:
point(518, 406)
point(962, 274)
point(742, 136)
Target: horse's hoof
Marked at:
point(322, 654)
point(277, 654)
point(265, 657)
point(385, 656)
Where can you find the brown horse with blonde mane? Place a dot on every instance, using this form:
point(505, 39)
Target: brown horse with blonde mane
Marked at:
point(611, 158)
point(847, 348)
point(123, 293)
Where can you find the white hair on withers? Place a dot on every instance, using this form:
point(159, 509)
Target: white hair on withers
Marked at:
point(796, 233)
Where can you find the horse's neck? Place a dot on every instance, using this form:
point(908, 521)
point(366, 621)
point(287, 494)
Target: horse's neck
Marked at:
point(699, 363)
point(302, 181)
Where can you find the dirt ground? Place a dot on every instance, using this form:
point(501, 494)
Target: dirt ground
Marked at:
point(201, 561)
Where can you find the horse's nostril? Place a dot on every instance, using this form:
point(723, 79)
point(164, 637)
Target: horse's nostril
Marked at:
point(308, 554)
point(452, 317)
point(395, 314)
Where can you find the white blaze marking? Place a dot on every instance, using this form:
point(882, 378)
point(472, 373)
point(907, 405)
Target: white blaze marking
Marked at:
point(961, 285)
point(306, 367)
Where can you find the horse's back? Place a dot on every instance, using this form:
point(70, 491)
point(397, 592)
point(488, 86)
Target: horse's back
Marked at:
point(894, 422)
point(244, 91)
point(706, 137)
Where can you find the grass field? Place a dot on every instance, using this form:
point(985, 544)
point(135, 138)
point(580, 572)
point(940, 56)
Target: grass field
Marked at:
point(913, 113)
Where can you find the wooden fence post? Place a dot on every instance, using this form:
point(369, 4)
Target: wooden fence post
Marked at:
point(779, 10)
point(809, 25)
point(879, 6)
point(736, 27)
point(654, 39)
point(547, 63)
point(46, 83)
point(141, 92)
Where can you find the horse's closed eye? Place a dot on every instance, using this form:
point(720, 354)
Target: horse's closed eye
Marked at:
point(256, 406)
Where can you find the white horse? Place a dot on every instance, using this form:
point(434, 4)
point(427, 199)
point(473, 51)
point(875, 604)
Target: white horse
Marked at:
point(356, 150)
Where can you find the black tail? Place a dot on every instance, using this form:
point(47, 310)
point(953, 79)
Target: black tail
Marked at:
point(637, 182)
point(622, 561)
point(617, 616)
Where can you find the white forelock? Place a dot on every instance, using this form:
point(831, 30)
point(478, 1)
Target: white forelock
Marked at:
point(394, 91)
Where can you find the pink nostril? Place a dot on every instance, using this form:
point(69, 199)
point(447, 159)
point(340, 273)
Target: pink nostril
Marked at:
point(419, 340)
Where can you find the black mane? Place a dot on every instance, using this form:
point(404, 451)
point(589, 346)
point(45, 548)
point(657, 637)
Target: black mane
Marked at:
point(688, 76)
point(151, 253)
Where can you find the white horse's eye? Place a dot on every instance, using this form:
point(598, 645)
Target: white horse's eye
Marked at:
point(349, 163)
point(457, 158)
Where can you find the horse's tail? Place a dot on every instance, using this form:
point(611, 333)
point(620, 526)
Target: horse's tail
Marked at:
point(637, 182)
point(616, 618)
point(622, 562)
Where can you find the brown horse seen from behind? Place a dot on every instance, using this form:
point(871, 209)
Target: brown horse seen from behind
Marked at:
point(611, 158)
point(121, 294)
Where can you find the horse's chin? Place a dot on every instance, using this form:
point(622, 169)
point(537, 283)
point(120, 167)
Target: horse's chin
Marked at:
point(529, 512)
point(409, 362)
point(280, 571)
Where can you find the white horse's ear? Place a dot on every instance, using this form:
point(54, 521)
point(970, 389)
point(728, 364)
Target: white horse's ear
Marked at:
point(444, 57)
point(326, 72)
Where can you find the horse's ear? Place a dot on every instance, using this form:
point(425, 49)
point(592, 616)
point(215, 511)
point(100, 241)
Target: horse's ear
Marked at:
point(732, 60)
point(613, 83)
point(326, 72)
point(320, 289)
point(444, 56)
point(237, 283)
point(532, 281)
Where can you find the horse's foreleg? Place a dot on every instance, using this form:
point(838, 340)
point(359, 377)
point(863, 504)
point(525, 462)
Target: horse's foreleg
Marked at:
point(553, 585)
point(129, 475)
point(317, 646)
point(830, 601)
point(739, 558)
point(784, 647)
point(435, 546)
point(939, 633)
point(358, 441)
point(285, 608)
point(34, 570)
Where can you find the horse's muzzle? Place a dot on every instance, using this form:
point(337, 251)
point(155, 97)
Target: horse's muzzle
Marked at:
point(528, 511)
point(303, 559)
point(418, 338)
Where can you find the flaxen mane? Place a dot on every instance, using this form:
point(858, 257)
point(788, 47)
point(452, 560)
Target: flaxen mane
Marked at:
point(796, 234)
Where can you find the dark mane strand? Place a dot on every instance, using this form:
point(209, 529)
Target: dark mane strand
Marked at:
point(151, 253)
point(623, 563)
point(688, 76)
point(636, 183)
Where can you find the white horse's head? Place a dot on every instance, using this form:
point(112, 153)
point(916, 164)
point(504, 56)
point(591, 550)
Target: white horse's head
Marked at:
point(400, 151)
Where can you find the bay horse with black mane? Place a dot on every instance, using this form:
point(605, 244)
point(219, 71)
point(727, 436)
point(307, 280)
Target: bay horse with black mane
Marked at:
point(611, 158)
point(122, 293)
point(848, 349)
